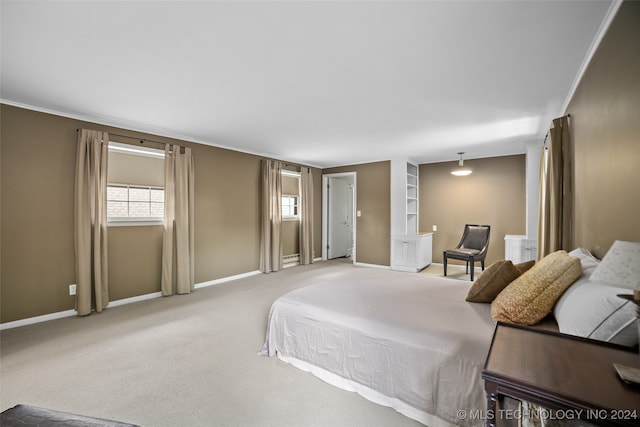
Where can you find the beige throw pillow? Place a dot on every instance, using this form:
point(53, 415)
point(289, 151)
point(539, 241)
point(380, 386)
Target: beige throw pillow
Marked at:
point(493, 280)
point(524, 266)
point(529, 298)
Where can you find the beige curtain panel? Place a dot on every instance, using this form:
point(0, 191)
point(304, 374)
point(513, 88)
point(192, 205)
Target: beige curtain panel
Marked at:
point(90, 217)
point(554, 218)
point(178, 259)
point(306, 216)
point(271, 217)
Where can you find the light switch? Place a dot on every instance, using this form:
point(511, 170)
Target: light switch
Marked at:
point(358, 214)
point(435, 228)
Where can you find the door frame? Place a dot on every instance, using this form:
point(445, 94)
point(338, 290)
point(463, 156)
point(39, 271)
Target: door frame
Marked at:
point(325, 211)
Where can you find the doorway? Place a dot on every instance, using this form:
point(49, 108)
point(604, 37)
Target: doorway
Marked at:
point(338, 216)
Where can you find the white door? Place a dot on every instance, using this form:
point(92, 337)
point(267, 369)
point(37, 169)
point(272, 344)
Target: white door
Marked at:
point(350, 211)
point(338, 218)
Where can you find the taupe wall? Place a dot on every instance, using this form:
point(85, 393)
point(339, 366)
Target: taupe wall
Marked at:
point(493, 194)
point(373, 228)
point(605, 134)
point(135, 255)
point(38, 156)
point(37, 254)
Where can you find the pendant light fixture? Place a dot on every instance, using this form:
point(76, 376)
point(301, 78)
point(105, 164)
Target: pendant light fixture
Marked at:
point(461, 170)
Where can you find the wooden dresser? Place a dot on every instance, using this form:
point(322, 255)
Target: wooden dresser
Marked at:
point(569, 378)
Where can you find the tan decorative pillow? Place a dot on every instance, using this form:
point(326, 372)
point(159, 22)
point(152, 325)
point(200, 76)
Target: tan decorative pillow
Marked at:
point(524, 266)
point(529, 298)
point(493, 280)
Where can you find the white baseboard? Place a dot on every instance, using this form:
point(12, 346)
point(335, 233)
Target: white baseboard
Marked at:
point(37, 319)
point(293, 264)
point(227, 279)
point(124, 301)
point(381, 267)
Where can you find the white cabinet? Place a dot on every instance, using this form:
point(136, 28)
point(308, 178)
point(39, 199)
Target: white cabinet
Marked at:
point(518, 248)
point(410, 251)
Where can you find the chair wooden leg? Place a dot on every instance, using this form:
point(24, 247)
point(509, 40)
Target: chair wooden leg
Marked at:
point(482, 263)
point(472, 267)
point(444, 257)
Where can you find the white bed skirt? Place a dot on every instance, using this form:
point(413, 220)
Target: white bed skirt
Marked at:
point(367, 392)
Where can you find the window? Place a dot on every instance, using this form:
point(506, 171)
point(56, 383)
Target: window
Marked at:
point(125, 202)
point(135, 179)
point(290, 195)
point(290, 207)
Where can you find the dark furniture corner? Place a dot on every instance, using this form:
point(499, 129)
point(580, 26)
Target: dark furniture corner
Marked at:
point(570, 378)
point(26, 415)
point(472, 247)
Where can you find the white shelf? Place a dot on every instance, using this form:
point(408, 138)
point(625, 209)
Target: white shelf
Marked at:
point(410, 251)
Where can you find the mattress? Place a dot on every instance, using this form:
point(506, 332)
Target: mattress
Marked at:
point(406, 340)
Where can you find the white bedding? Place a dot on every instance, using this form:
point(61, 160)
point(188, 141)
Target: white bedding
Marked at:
point(406, 340)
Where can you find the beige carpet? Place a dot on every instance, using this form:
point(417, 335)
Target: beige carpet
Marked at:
point(186, 360)
point(454, 271)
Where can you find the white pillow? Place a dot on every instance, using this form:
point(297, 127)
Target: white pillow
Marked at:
point(588, 261)
point(593, 310)
point(620, 265)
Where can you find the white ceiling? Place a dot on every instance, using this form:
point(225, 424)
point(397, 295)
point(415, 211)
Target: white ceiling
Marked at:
point(322, 83)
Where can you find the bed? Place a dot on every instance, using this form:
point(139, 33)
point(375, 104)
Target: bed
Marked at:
point(405, 340)
point(412, 341)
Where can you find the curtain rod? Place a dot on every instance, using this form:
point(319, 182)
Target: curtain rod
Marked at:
point(297, 165)
point(140, 140)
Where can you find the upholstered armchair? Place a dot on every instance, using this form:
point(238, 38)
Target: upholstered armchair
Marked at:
point(472, 247)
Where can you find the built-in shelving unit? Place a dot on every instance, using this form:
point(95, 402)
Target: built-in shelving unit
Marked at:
point(410, 249)
point(412, 199)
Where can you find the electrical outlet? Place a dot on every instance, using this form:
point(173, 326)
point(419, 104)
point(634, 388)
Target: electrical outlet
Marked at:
point(72, 289)
point(435, 228)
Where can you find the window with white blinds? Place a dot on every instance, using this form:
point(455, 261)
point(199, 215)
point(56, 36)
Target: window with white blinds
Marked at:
point(135, 193)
